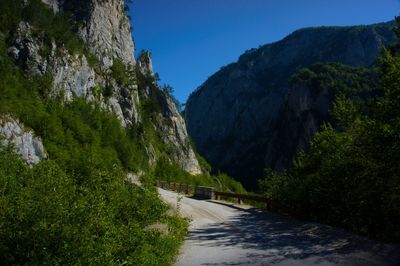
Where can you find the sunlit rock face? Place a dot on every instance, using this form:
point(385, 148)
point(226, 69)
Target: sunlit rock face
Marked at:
point(174, 132)
point(145, 64)
point(104, 27)
point(54, 4)
point(106, 31)
point(170, 122)
point(232, 116)
point(29, 146)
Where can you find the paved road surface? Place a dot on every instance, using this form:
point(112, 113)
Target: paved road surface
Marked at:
point(224, 234)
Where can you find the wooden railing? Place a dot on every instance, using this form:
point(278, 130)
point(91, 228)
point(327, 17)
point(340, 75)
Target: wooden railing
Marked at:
point(181, 188)
point(271, 204)
point(211, 193)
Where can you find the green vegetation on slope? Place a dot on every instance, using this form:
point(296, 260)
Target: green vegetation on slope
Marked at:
point(166, 171)
point(335, 78)
point(350, 177)
point(311, 95)
point(49, 216)
point(76, 207)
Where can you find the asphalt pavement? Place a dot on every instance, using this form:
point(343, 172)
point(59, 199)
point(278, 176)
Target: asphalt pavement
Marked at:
point(227, 234)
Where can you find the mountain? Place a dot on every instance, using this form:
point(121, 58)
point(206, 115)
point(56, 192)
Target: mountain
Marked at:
point(232, 118)
point(102, 70)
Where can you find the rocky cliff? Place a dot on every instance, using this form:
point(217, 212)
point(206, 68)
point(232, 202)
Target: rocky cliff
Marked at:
point(102, 70)
point(311, 96)
point(167, 119)
point(232, 116)
point(103, 26)
point(25, 143)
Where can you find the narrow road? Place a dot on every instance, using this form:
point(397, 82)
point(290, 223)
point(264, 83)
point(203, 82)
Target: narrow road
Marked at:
point(225, 234)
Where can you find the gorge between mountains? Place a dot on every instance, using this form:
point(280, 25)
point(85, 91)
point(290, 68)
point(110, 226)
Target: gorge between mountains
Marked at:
point(305, 130)
point(251, 115)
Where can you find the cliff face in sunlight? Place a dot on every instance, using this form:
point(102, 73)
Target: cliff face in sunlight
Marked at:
point(103, 71)
point(232, 118)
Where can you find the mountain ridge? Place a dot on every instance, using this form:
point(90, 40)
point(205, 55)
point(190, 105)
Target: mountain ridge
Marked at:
point(231, 115)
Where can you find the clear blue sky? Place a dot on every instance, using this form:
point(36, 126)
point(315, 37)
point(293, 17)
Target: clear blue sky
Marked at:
point(192, 39)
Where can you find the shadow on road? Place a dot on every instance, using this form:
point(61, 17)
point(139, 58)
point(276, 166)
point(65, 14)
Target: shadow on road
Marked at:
point(282, 238)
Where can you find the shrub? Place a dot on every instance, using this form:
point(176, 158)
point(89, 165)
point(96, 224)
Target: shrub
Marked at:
point(120, 73)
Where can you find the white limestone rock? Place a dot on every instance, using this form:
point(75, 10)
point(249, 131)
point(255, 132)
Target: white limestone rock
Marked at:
point(54, 4)
point(145, 64)
point(29, 146)
point(72, 76)
point(108, 32)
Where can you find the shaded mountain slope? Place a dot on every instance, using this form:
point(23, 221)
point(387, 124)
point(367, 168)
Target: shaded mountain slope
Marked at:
point(232, 116)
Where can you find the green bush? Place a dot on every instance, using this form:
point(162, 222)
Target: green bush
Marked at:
point(166, 170)
point(120, 73)
point(48, 217)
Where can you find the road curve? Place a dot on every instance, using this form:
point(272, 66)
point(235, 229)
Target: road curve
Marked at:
point(225, 234)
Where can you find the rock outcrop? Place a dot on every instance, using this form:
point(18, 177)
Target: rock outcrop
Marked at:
point(232, 116)
point(26, 50)
point(173, 128)
point(71, 75)
point(29, 146)
point(105, 27)
point(54, 4)
point(170, 122)
point(145, 64)
point(107, 32)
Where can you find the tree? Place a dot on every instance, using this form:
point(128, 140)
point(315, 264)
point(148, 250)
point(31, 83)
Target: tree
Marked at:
point(169, 90)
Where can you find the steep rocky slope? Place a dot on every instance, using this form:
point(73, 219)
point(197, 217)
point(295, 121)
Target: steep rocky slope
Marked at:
point(167, 120)
point(102, 71)
point(232, 116)
point(311, 96)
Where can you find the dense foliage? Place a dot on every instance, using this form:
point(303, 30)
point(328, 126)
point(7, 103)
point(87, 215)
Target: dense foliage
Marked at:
point(334, 79)
point(76, 207)
point(166, 171)
point(48, 216)
point(311, 96)
point(350, 175)
point(120, 73)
